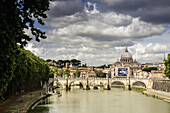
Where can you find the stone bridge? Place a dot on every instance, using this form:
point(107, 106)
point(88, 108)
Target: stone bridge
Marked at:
point(86, 83)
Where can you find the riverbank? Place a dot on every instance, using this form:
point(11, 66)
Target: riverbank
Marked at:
point(154, 93)
point(158, 94)
point(21, 102)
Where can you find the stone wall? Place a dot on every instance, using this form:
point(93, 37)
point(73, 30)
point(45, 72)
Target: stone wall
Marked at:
point(162, 85)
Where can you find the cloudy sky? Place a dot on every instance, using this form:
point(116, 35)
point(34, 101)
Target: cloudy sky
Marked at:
point(97, 31)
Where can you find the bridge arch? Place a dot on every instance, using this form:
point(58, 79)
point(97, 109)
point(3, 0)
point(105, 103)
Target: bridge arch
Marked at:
point(139, 84)
point(79, 82)
point(118, 83)
point(100, 83)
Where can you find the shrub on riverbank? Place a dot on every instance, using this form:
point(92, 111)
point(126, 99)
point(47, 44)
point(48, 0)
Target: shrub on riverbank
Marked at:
point(31, 73)
point(138, 89)
point(167, 64)
point(18, 17)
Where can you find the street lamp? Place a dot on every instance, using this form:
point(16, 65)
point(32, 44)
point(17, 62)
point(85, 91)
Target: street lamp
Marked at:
point(129, 86)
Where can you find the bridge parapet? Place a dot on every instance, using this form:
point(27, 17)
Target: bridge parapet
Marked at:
point(105, 81)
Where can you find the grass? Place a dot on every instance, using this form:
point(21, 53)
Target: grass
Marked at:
point(138, 89)
point(118, 86)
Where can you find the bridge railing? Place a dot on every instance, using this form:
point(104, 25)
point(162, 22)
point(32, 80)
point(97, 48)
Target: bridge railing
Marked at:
point(96, 78)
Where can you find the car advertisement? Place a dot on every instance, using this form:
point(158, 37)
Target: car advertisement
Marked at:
point(122, 71)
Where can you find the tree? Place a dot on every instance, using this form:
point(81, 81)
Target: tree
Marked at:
point(54, 63)
point(67, 72)
point(48, 60)
point(84, 65)
point(101, 74)
point(60, 73)
point(77, 73)
point(30, 73)
point(56, 70)
point(60, 63)
point(75, 62)
point(149, 69)
point(16, 16)
point(102, 66)
point(21, 15)
point(167, 64)
point(51, 73)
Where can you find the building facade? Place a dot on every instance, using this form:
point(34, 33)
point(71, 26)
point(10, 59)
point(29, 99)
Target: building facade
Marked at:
point(126, 67)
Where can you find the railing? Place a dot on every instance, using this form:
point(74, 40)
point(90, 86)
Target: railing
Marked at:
point(115, 78)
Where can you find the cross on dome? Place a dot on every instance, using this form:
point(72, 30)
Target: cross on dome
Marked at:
point(126, 50)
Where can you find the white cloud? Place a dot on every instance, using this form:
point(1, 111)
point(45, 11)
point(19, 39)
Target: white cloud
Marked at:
point(150, 52)
point(37, 51)
point(107, 29)
point(98, 38)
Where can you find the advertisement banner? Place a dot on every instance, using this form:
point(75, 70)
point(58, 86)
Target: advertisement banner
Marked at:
point(122, 71)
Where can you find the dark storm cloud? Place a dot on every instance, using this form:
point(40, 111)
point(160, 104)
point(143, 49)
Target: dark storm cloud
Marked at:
point(155, 11)
point(60, 8)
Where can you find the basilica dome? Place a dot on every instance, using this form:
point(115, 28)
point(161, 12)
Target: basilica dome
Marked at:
point(126, 57)
point(126, 54)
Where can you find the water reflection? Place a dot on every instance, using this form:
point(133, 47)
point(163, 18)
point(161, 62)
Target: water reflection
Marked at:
point(101, 101)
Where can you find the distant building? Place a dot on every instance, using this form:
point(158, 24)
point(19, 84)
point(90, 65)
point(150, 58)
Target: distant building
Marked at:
point(159, 73)
point(158, 65)
point(91, 71)
point(126, 66)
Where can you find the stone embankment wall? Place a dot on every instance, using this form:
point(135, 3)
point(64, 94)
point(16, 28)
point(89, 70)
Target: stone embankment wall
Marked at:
point(162, 85)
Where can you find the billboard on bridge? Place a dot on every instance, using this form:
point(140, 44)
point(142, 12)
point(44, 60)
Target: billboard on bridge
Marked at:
point(122, 71)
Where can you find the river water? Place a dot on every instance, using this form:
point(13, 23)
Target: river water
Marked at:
point(101, 101)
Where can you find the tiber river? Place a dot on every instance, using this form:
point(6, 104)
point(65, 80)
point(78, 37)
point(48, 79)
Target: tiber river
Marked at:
point(101, 101)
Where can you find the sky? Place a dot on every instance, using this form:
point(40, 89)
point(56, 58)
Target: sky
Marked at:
point(98, 31)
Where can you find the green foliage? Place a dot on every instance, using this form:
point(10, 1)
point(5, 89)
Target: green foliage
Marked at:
point(77, 73)
point(102, 66)
point(62, 63)
point(149, 69)
point(84, 65)
point(21, 15)
point(16, 16)
point(60, 73)
point(51, 73)
point(138, 89)
point(58, 85)
point(75, 62)
point(101, 74)
point(56, 70)
point(67, 72)
point(48, 60)
point(29, 73)
point(167, 64)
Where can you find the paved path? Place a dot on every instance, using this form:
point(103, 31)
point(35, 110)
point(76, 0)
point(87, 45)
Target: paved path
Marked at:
point(159, 94)
point(23, 101)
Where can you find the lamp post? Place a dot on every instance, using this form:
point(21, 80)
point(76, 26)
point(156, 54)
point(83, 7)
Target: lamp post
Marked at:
point(87, 86)
point(108, 86)
point(129, 86)
point(66, 81)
